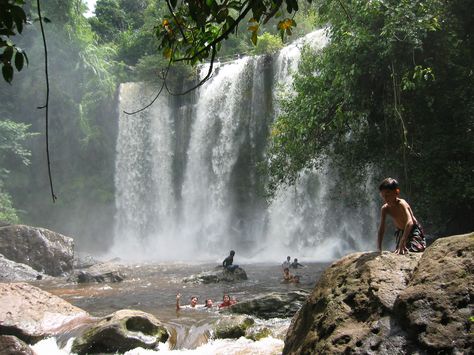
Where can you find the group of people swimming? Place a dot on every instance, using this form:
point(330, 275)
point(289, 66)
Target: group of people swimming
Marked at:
point(287, 276)
point(208, 303)
point(227, 301)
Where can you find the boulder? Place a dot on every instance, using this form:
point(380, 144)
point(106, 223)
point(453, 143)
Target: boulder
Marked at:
point(84, 261)
point(44, 250)
point(272, 305)
point(32, 314)
point(216, 276)
point(120, 332)
point(436, 307)
point(104, 272)
point(11, 345)
point(372, 303)
point(232, 327)
point(11, 271)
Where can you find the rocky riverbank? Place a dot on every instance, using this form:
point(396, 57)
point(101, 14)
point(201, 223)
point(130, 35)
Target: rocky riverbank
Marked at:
point(372, 303)
point(364, 303)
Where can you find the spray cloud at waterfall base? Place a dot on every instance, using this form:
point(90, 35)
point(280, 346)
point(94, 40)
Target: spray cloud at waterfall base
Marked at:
point(188, 185)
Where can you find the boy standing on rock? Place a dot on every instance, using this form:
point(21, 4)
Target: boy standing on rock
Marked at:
point(409, 234)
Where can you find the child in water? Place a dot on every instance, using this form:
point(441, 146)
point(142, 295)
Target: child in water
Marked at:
point(409, 234)
point(227, 301)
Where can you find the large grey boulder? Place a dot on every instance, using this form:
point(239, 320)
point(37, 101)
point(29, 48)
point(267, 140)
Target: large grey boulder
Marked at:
point(218, 275)
point(11, 271)
point(121, 331)
point(107, 272)
point(44, 250)
point(436, 308)
point(372, 303)
point(272, 305)
point(32, 314)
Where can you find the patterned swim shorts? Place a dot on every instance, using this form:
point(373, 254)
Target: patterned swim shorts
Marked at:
point(416, 240)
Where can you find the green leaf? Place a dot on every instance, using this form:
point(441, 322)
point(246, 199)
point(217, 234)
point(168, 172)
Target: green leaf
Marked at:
point(19, 17)
point(7, 71)
point(26, 57)
point(7, 54)
point(254, 38)
point(19, 61)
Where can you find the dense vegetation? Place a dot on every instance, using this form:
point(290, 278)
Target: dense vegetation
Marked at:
point(83, 82)
point(391, 95)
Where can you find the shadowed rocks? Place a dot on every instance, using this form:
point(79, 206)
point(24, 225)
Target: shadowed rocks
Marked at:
point(367, 303)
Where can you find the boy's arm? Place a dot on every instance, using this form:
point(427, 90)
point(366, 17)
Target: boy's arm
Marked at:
point(402, 247)
point(381, 231)
point(178, 296)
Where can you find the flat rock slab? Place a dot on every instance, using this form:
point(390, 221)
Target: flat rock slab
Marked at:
point(32, 314)
point(11, 271)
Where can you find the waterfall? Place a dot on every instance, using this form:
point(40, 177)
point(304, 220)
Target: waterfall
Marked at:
point(188, 185)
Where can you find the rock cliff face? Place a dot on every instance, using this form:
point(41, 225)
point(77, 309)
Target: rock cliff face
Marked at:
point(372, 303)
point(43, 250)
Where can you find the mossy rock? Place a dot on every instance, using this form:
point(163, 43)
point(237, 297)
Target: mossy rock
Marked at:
point(120, 332)
point(232, 327)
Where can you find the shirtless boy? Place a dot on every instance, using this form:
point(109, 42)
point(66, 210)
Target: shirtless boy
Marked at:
point(409, 234)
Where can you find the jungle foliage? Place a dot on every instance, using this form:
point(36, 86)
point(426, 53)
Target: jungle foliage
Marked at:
point(12, 22)
point(390, 95)
point(83, 79)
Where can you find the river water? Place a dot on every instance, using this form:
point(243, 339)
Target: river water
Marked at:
point(152, 288)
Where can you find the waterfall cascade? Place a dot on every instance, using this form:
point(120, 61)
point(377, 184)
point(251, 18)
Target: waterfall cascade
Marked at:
point(187, 179)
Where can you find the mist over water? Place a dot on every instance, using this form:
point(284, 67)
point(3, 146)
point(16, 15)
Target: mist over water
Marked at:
point(187, 182)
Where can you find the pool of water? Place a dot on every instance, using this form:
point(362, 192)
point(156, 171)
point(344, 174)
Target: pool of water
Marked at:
point(152, 288)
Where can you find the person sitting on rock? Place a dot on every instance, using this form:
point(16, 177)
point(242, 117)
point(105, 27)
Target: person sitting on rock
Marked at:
point(227, 301)
point(227, 263)
point(192, 305)
point(295, 264)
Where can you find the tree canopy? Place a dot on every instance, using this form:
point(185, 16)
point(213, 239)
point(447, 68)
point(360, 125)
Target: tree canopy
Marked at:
point(390, 95)
point(12, 22)
point(194, 30)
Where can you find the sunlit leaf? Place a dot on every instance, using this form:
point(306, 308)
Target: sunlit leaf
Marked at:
point(254, 38)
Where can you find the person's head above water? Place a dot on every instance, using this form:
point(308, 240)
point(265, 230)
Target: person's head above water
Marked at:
point(208, 303)
point(232, 253)
point(288, 258)
point(194, 301)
